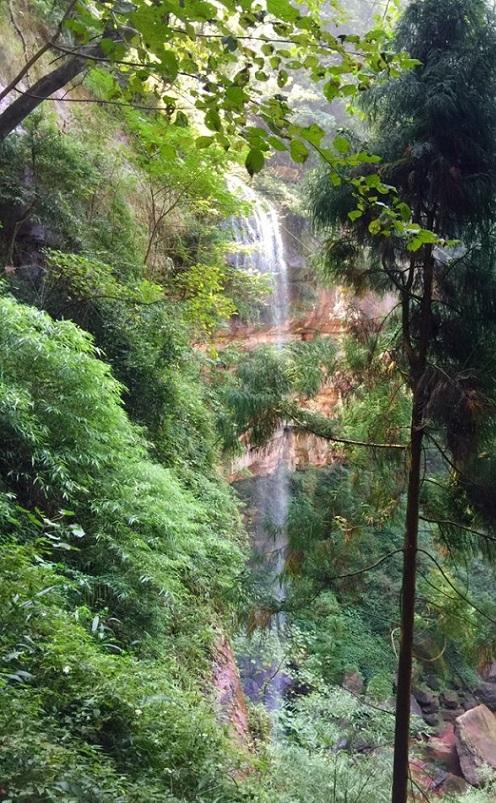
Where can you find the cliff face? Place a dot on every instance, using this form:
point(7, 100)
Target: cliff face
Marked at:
point(298, 449)
point(324, 318)
point(230, 698)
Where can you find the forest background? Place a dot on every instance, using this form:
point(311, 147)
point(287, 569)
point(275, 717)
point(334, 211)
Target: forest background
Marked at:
point(123, 547)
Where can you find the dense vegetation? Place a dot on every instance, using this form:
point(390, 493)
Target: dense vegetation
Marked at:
point(124, 559)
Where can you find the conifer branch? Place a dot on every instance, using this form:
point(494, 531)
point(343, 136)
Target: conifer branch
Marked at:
point(458, 526)
point(321, 426)
point(455, 589)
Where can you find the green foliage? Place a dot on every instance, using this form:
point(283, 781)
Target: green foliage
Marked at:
point(380, 687)
point(231, 63)
point(206, 304)
point(150, 211)
point(54, 181)
point(81, 719)
point(255, 398)
point(313, 760)
point(436, 145)
point(438, 152)
point(333, 540)
point(317, 721)
point(88, 206)
point(107, 609)
point(299, 776)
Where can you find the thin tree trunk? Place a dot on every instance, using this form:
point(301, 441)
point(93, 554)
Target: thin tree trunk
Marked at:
point(404, 687)
point(418, 366)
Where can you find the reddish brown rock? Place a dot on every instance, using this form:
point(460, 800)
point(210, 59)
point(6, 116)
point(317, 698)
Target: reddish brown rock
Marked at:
point(441, 751)
point(228, 690)
point(327, 316)
point(431, 782)
point(475, 733)
point(298, 449)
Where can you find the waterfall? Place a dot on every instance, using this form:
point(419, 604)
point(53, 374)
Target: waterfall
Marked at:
point(263, 251)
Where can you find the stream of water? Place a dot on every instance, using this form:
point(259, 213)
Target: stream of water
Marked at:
point(262, 250)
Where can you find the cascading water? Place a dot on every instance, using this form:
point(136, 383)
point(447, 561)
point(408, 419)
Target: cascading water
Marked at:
point(262, 250)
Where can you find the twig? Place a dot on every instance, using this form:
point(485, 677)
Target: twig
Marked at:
point(17, 29)
point(39, 53)
point(65, 99)
point(455, 589)
point(457, 525)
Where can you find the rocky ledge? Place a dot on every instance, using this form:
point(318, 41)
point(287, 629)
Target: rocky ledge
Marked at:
point(463, 749)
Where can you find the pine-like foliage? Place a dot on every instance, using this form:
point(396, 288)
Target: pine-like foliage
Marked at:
point(435, 125)
point(435, 130)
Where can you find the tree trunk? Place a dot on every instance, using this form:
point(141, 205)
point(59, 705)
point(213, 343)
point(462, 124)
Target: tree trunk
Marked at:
point(403, 694)
point(418, 364)
point(31, 98)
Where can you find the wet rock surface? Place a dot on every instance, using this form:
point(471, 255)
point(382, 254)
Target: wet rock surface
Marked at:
point(434, 782)
point(427, 699)
point(414, 707)
point(231, 700)
point(441, 751)
point(475, 733)
point(486, 695)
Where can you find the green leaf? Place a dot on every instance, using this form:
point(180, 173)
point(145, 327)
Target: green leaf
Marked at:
point(168, 62)
point(298, 150)
point(428, 237)
point(415, 244)
point(235, 96)
point(347, 90)
point(212, 120)
point(277, 144)
point(282, 10)
point(355, 215)
point(204, 142)
point(404, 211)
point(181, 120)
point(375, 226)
point(331, 90)
point(254, 161)
point(313, 133)
point(342, 144)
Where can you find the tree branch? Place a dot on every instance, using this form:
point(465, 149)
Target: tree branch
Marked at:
point(321, 426)
point(455, 589)
point(449, 523)
point(39, 53)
